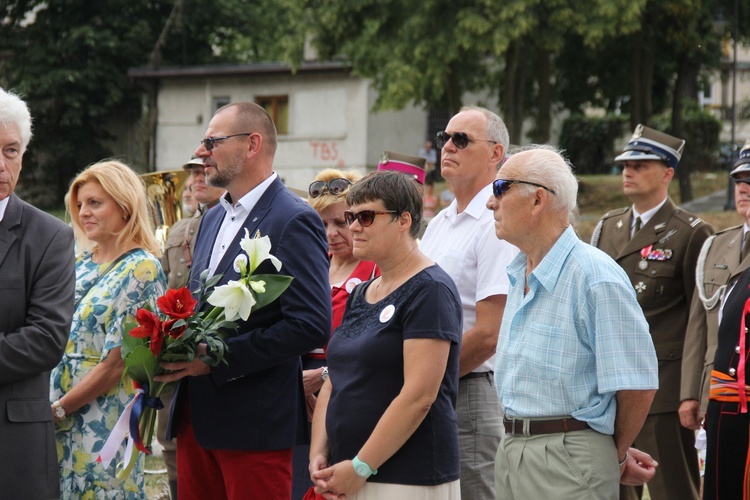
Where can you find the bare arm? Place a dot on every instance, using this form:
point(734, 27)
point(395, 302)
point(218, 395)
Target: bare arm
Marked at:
point(479, 343)
point(319, 441)
point(632, 409)
point(425, 363)
point(103, 377)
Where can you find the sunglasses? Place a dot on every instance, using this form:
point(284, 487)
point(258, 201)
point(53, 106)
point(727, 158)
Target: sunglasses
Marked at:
point(335, 186)
point(364, 217)
point(460, 139)
point(746, 180)
point(211, 142)
point(501, 186)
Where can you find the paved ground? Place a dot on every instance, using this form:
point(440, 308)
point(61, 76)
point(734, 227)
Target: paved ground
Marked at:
point(712, 203)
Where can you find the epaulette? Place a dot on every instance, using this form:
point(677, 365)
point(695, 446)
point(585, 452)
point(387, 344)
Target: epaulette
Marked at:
point(615, 212)
point(688, 218)
point(726, 230)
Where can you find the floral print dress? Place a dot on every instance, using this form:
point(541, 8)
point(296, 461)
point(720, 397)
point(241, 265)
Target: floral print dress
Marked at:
point(97, 328)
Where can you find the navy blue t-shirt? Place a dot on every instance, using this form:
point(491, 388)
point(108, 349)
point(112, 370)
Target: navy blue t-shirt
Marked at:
point(366, 366)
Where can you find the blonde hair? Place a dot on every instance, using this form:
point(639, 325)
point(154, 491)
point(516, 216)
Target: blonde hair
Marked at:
point(327, 199)
point(128, 190)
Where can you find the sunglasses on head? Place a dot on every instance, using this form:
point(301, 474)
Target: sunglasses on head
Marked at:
point(211, 142)
point(501, 186)
point(335, 186)
point(460, 139)
point(364, 217)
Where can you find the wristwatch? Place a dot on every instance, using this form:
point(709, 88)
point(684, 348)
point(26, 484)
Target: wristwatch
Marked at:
point(324, 375)
point(58, 409)
point(362, 469)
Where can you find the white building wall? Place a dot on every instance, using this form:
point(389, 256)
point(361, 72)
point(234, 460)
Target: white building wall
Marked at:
point(330, 124)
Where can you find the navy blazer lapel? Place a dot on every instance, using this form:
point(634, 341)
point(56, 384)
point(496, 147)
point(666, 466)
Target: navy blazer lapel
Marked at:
point(11, 219)
point(253, 220)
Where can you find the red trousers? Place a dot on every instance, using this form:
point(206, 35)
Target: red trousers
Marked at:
point(230, 474)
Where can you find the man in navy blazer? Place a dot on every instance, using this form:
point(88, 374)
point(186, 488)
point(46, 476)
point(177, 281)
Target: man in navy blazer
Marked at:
point(37, 281)
point(236, 423)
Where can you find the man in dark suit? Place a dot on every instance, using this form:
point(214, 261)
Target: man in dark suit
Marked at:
point(37, 281)
point(237, 422)
point(657, 244)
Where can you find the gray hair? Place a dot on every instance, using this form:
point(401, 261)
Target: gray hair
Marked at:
point(15, 113)
point(496, 129)
point(550, 168)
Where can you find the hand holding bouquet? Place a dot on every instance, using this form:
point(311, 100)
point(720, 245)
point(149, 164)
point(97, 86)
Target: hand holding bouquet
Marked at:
point(174, 331)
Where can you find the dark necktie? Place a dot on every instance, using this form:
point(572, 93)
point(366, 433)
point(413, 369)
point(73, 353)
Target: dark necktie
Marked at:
point(637, 226)
point(745, 248)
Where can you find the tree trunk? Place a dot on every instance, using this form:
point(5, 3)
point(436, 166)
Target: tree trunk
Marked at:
point(544, 99)
point(685, 88)
point(512, 96)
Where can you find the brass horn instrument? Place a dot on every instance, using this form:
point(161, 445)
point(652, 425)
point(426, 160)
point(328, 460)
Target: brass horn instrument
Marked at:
point(164, 192)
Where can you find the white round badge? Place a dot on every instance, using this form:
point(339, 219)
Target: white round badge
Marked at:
point(387, 313)
point(351, 284)
point(241, 260)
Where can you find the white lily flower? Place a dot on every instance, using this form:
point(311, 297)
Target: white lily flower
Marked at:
point(235, 298)
point(258, 286)
point(258, 249)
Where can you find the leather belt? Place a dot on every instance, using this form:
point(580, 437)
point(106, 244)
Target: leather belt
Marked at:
point(515, 426)
point(472, 375)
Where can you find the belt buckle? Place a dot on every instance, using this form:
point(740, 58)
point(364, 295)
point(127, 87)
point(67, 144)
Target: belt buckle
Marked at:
point(513, 426)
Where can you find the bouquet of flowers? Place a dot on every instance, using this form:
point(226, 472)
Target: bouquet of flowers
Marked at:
point(173, 332)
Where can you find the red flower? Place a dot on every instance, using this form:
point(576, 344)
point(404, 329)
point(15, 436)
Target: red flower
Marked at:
point(175, 333)
point(177, 304)
point(149, 326)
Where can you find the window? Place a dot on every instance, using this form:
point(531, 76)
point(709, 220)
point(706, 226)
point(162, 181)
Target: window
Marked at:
point(218, 102)
point(278, 107)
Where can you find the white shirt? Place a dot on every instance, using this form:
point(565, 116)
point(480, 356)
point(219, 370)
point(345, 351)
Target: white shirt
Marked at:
point(3, 206)
point(466, 247)
point(645, 216)
point(234, 220)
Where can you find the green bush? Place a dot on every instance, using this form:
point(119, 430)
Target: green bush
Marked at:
point(589, 141)
point(701, 136)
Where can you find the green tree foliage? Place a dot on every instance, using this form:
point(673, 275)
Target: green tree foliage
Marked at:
point(69, 59)
point(590, 141)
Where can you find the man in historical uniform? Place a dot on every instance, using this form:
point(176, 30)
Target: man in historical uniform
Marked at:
point(721, 261)
point(657, 244)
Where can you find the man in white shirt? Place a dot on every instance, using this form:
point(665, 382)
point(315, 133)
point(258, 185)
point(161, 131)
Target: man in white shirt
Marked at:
point(461, 239)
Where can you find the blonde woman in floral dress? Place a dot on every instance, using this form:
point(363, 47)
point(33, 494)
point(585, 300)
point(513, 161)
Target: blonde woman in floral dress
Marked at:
point(117, 273)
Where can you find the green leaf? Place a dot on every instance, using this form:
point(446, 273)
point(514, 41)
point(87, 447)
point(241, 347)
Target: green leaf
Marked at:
point(141, 364)
point(128, 341)
point(275, 286)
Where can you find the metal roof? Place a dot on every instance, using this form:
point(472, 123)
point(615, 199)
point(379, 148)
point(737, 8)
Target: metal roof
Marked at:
point(258, 69)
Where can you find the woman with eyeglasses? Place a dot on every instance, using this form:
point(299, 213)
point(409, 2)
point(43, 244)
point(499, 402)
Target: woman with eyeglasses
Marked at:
point(385, 421)
point(326, 195)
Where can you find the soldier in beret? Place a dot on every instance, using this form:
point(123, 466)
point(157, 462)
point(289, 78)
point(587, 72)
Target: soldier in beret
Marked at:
point(657, 244)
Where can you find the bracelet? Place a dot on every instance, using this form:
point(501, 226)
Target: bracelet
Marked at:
point(624, 460)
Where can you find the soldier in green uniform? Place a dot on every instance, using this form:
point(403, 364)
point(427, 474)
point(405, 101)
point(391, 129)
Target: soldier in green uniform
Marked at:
point(721, 261)
point(657, 244)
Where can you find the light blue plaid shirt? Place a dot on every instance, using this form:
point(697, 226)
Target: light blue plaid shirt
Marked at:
point(574, 340)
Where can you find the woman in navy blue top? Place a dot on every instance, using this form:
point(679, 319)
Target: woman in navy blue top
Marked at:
point(385, 421)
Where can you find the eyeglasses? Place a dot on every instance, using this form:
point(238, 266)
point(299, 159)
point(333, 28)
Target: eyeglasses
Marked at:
point(335, 186)
point(501, 186)
point(745, 180)
point(460, 139)
point(210, 142)
point(365, 217)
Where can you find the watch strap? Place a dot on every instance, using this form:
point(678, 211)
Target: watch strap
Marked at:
point(362, 469)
